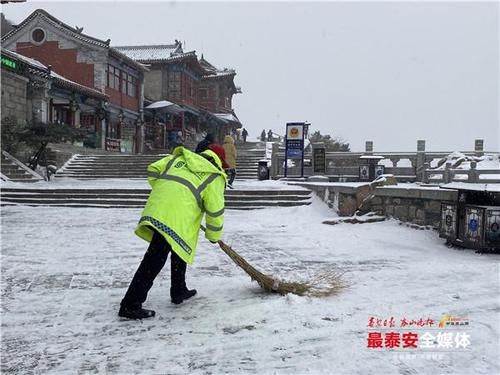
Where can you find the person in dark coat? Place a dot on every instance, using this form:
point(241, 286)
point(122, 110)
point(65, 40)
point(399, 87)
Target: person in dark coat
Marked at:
point(203, 145)
point(244, 134)
point(263, 135)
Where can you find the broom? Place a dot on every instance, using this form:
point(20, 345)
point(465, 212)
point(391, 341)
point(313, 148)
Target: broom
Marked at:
point(329, 284)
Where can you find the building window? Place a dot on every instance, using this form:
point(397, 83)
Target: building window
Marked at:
point(114, 130)
point(124, 83)
point(203, 93)
point(174, 84)
point(87, 121)
point(38, 35)
point(108, 76)
point(131, 86)
point(116, 76)
point(113, 78)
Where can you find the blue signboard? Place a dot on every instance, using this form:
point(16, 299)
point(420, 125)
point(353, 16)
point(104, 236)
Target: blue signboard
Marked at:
point(294, 143)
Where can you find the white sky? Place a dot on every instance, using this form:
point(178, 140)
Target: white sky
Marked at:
point(388, 72)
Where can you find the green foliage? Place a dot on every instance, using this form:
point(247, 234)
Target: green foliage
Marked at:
point(39, 133)
point(331, 144)
point(32, 136)
point(11, 130)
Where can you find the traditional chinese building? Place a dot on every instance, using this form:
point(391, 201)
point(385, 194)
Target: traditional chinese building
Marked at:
point(183, 95)
point(217, 89)
point(91, 63)
point(32, 92)
point(216, 95)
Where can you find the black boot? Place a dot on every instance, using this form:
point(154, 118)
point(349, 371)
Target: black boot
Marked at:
point(178, 290)
point(136, 312)
point(181, 297)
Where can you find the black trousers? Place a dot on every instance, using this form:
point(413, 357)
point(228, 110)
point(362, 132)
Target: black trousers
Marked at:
point(232, 175)
point(150, 267)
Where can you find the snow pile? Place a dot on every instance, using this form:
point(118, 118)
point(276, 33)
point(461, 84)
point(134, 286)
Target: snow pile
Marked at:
point(459, 160)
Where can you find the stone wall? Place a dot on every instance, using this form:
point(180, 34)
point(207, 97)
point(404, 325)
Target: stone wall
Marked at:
point(14, 94)
point(408, 203)
point(420, 206)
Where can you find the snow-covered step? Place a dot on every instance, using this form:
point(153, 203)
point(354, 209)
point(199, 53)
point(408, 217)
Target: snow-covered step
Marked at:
point(243, 199)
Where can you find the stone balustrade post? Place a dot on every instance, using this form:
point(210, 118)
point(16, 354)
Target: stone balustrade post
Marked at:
point(369, 147)
point(419, 167)
point(473, 173)
point(447, 173)
point(275, 160)
point(425, 172)
point(479, 147)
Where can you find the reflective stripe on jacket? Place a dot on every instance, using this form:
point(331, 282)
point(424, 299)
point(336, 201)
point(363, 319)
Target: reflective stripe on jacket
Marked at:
point(184, 185)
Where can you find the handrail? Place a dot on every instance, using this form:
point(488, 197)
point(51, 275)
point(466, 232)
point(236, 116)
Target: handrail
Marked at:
point(22, 166)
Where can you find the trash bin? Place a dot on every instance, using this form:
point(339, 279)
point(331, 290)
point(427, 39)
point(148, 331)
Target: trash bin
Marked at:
point(263, 171)
point(369, 169)
point(473, 221)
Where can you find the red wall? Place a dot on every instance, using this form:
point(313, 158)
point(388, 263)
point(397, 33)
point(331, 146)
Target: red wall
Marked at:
point(185, 98)
point(121, 100)
point(63, 61)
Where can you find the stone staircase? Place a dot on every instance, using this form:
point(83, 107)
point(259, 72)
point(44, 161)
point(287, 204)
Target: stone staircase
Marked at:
point(15, 171)
point(248, 156)
point(135, 198)
point(124, 166)
point(134, 166)
point(107, 166)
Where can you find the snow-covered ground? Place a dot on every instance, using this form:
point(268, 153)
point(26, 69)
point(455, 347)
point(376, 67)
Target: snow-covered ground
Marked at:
point(65, 270)
point(140, 183)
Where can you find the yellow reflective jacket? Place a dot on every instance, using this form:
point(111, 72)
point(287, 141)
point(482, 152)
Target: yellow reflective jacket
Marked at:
point(184, 185)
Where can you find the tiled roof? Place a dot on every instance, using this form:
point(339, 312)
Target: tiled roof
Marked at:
point(220, 74)
point(64, 82)
point(27, 60)
point(207, 66)
point(73, 32)
point(230, 117)
point(160, 55)
point(213, 72)
point(158, 52)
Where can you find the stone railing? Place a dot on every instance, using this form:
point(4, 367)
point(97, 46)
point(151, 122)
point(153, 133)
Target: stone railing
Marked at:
point(473, 175)
point(405, 166)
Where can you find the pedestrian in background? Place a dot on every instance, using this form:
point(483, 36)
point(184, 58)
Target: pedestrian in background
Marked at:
point(204, 143)
point(244, 134)
point(263, 135)
point(230, 153)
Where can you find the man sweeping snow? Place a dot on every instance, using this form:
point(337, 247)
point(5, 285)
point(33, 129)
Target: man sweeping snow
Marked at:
point(185, 185)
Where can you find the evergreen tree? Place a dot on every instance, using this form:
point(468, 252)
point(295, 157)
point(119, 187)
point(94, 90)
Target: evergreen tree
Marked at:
point(331, 144)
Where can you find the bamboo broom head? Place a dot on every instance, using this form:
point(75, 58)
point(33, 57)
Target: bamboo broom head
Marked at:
point(329, 284)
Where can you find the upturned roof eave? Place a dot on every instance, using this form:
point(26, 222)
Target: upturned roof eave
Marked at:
point(74, 34)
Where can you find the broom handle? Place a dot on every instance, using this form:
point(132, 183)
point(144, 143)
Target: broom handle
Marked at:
point(242, 263)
